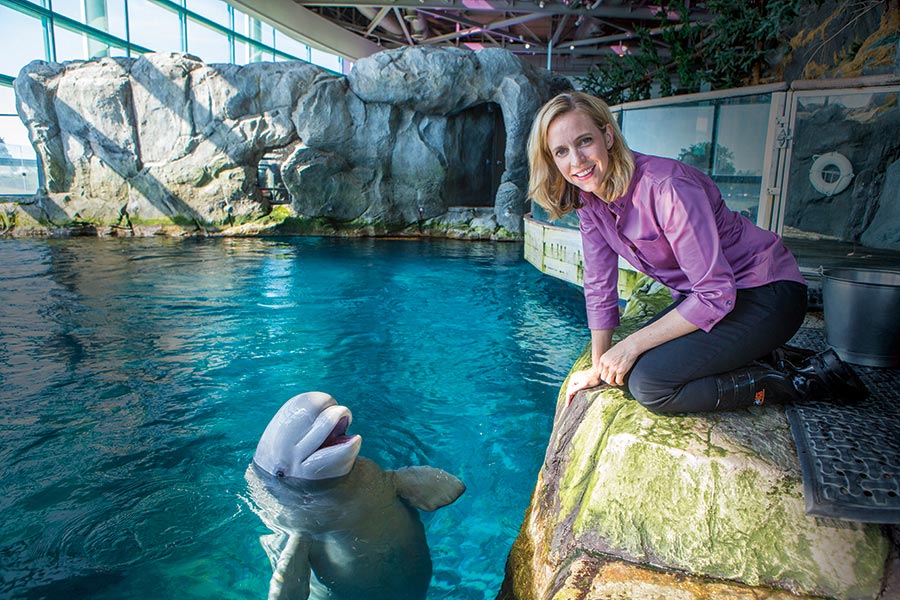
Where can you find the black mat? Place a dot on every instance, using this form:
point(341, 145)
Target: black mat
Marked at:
point(850, 455)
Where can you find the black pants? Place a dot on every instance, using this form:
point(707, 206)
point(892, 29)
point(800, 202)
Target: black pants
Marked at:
point(679, 376)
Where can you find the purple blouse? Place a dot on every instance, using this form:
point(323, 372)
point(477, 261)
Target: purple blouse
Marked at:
point(673, 225)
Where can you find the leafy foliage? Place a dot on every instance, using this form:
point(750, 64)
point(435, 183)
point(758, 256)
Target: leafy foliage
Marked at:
point(727, 50)
point(700, 155)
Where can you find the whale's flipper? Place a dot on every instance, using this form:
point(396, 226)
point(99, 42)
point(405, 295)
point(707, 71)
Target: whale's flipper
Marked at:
point(291, 577)
point(427, 488)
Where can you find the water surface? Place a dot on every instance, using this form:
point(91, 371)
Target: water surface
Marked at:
point(138, 375)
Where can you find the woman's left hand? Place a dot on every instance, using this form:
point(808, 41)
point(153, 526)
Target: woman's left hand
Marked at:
point(616, 362)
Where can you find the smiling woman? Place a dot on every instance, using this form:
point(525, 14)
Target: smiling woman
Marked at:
point(580, 150)
point(587, 140)
point(738, 291)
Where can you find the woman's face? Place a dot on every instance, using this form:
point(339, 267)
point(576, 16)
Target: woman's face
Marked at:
point(580, 149)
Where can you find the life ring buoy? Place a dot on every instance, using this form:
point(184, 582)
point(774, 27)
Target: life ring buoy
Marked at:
point(830, 173)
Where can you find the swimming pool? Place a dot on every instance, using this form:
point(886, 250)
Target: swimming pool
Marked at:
point(137, 376)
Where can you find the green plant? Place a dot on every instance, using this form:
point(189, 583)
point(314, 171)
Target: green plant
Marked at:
point(700, 155)
point(728, 49)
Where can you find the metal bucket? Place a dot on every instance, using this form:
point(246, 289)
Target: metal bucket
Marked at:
point(862, 315)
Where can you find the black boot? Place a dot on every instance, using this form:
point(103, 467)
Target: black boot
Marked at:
point(826, 370)
point(820, 377)
point(754, 385)
point(792, 355)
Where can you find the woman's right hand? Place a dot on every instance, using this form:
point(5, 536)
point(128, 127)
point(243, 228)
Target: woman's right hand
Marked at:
point(581, 380)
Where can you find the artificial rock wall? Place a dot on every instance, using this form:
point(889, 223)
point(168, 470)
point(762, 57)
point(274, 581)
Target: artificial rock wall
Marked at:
point(409, 137)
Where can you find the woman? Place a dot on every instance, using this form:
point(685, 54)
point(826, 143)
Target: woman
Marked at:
point(739, 295)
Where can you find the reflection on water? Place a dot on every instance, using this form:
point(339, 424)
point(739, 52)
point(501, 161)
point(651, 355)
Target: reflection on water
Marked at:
point(138, 375)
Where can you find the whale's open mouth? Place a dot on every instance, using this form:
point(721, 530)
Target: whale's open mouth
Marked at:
point(307, 439)
point(338, 435)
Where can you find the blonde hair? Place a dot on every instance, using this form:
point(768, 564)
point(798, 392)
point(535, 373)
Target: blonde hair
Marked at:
point(546, 185)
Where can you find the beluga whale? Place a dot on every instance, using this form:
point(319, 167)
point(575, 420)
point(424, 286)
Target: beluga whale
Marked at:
point(342, 527)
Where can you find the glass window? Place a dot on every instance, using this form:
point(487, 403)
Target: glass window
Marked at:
point(682, 132)
point(240, 53)
point(72, 45)
point(18, 167)
point(839, 166)
point(325, 60)
point(259, 31)
point(115, 17)
point(241, 22)
point(267, 34)
point(28, 33)
point(153, 26)
point(69, 8)
point(685, 132)
point(210, 45)
point(214, 10)
point(741, 143)
point(69, 44)
point(291, 46)
point(570, 220)
point(258, 54)
point(7, 100)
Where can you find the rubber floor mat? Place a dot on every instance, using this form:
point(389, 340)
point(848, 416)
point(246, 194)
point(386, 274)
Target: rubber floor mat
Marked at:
point(850, 455)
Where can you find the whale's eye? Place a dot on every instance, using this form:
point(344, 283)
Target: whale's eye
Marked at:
point(279, 473)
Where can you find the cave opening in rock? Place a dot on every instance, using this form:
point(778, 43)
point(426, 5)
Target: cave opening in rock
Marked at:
point(477, 165)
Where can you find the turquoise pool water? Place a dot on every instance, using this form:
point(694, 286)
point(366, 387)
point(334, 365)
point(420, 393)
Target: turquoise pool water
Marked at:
point(136, 377)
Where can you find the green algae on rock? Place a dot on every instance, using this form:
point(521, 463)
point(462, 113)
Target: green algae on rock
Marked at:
point(715, 499)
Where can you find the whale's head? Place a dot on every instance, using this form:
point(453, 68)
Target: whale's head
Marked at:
point(307, 439)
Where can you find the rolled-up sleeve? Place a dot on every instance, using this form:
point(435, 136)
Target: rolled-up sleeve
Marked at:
point(601, 276)
point(689, 223)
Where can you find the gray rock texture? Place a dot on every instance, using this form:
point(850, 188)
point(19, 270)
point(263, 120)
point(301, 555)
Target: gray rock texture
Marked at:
point(411, 138)
point(884, 232)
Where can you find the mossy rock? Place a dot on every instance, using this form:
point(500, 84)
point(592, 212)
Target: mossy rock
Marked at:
point(713, 497)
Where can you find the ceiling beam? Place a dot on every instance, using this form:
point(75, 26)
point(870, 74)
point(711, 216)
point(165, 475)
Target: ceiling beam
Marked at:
point(308, 27)
point(620, 37)
point(534, 36)
point(474, 28)
point(559, 29)
point(382, 12)
point(551, 7)
point(403, 26)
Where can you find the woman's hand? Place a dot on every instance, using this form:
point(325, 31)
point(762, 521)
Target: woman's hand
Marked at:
point(612, 367)
point(611, 364)
point(581, 380)
point(616, 362)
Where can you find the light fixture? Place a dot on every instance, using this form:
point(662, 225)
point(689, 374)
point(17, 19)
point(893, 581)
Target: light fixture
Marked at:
point(528, 46)
point(572, 47)
point(541, 4)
